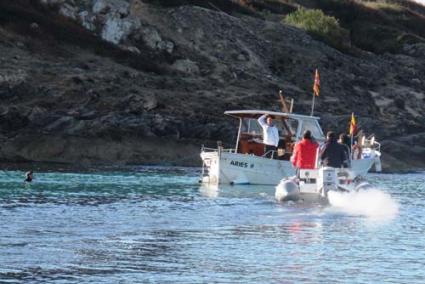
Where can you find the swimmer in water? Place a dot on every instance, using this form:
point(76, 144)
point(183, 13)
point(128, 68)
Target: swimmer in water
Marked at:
point(28, 176)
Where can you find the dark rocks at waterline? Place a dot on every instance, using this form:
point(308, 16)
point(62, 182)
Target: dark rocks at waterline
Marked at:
point(167, 74)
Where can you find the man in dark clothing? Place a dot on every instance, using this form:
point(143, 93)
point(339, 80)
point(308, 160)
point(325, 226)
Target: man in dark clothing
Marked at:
point(334, 154)
point(344, 140)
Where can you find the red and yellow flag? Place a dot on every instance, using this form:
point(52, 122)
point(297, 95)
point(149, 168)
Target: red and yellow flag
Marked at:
point(316, 86)
point(353, 124)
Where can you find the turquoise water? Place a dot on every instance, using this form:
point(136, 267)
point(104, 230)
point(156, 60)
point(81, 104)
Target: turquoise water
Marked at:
point(158, 225)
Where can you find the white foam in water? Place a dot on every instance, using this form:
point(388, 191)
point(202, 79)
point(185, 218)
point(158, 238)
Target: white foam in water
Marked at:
point(372, 203)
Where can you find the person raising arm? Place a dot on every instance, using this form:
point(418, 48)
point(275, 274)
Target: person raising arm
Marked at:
point(270, 134)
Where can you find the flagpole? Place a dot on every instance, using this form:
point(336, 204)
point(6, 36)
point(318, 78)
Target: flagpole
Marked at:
point(316, 89)
point(312, 105)
point(352, 131)
point(351, 146)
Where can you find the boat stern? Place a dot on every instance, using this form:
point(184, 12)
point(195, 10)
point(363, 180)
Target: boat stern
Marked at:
point(210, 165)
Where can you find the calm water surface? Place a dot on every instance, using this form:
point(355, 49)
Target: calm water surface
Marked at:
point(158, 225)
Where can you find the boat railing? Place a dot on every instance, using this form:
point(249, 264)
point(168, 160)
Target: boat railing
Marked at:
point(378, 146)
point(218, 149)
point(266, 154)
point(371, 143)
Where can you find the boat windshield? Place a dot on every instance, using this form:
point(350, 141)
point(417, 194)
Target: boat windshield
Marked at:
point(287, 127)
point(314, 127)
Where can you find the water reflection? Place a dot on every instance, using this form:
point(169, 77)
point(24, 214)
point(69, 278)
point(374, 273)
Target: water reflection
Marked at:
point(162, 227)
point(236, 191)
point(209, 190)
point(304, 232)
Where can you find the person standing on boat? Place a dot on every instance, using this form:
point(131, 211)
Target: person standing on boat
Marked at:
point(270, 135)
point(333, 153)
point(305, 152)
point(344, 140)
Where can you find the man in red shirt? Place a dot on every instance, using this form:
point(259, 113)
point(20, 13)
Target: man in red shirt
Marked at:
point(305, 152)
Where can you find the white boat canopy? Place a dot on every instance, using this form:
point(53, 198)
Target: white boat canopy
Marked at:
point(258, 113)
point(303, 122)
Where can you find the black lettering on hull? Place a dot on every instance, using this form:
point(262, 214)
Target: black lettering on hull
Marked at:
point(239, 164)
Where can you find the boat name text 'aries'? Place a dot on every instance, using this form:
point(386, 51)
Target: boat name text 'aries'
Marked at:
point(239, 164)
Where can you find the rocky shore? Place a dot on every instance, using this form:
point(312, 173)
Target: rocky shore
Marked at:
point(134, 82)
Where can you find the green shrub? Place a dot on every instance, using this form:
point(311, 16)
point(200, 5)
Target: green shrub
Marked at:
point(316, 23)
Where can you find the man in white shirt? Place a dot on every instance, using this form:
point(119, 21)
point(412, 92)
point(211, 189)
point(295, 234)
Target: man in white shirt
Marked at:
point(270, 134)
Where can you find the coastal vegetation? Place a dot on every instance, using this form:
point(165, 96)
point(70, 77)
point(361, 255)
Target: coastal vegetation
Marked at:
point(377, 26)
point(318, 24)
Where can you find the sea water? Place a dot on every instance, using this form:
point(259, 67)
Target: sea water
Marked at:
point(158, 225)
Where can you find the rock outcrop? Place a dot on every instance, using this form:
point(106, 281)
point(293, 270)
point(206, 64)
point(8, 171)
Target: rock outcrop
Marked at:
point(116, 81)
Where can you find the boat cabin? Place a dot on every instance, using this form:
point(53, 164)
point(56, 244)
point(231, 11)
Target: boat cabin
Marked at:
point(291, 128)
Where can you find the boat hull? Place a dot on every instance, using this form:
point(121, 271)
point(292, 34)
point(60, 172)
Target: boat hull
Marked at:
point(234, 168)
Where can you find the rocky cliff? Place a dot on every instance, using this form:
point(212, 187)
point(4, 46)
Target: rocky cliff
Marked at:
point(147, 82)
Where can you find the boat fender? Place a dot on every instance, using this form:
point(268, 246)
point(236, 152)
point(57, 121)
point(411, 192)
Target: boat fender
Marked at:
point(287, 189)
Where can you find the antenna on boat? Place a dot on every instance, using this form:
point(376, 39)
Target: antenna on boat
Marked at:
point(283, 102)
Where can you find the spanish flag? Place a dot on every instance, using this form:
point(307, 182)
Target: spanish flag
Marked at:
point(316, 86)
point(353, 125)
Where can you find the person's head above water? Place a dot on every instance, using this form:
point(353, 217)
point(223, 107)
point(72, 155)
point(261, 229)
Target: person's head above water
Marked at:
point(28, 176)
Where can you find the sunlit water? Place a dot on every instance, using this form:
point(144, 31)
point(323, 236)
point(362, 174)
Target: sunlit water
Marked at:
point(158, 225)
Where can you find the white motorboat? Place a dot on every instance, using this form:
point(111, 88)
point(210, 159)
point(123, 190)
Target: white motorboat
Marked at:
point(247, 163)
point(315, 184)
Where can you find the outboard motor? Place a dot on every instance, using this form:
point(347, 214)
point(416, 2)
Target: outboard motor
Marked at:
point(327, 181)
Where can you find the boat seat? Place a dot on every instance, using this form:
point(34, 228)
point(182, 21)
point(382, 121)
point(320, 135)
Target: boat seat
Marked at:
point(251, 147)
